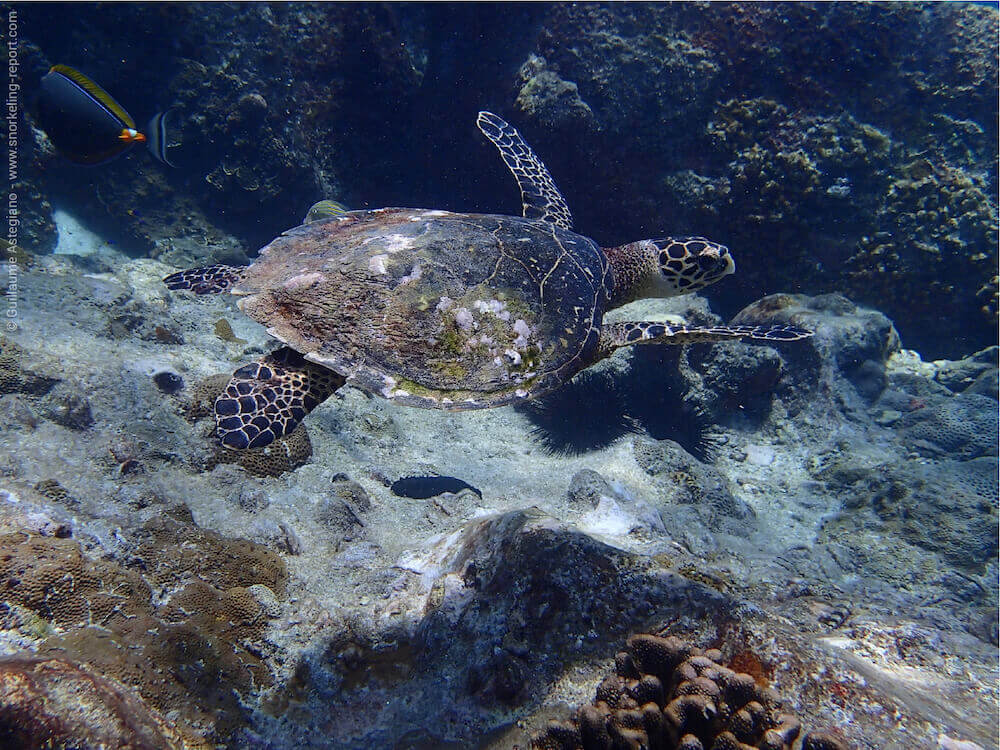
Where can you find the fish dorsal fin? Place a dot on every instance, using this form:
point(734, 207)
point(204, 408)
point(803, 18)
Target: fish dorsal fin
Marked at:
point(539, 194)
point(95, 91)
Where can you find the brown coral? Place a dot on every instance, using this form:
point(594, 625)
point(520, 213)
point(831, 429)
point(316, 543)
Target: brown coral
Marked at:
point(667, 693)
point(176, 552)
point(190, 656)
point(52, 578)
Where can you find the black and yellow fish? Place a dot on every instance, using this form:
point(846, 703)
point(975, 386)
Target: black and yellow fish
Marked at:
point(324, 210)
point(86, 124)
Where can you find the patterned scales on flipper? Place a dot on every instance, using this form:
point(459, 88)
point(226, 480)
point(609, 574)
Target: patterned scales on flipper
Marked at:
point(268, 398)
point(207, 280)
point(539, 194)
point(617, 335)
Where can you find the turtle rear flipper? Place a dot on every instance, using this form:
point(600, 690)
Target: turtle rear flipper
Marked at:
point(207, 280)
point(268, 398)
point(616, 335)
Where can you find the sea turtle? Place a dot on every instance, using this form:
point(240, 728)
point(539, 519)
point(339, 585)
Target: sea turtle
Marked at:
point(448, 310)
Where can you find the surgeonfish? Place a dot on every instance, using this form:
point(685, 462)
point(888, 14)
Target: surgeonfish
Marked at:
point(85, 123)
point(325, 210)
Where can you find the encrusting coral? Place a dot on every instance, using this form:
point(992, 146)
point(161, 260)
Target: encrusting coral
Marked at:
point(193, 656)
point(667, 694)
point(14, 377)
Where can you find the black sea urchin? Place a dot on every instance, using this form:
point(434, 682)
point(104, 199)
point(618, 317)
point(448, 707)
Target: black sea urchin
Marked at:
point(586, 414)
point(659, 399)
point(666, 416)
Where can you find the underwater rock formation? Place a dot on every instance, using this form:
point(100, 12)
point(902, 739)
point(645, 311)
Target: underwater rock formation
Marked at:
point(844, 362)
point(480, 621)
point(53, 702)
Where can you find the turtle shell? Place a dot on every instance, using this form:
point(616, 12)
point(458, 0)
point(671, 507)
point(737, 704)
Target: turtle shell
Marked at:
point(434, 309)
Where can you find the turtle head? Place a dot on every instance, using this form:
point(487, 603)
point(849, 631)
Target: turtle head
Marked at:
point(666, 267)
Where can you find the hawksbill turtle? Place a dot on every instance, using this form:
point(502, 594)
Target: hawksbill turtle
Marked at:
point(448, 310)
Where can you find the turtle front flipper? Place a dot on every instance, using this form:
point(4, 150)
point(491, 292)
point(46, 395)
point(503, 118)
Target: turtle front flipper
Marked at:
point(540, 197)
point(207, 280)
point(616, 335)
point(268, 398)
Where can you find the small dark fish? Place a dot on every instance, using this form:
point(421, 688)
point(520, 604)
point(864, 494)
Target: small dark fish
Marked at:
point(83, 121)
point(324, 210)
point(421, 488)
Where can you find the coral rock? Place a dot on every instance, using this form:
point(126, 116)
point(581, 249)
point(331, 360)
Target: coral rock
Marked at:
point(49, 703)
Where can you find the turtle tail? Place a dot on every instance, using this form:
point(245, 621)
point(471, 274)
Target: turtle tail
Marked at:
point(208, 280)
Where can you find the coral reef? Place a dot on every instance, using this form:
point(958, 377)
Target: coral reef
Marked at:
point(964, 426)
point(55, 580)
point(826, 176)
point(666, 693)
point(187, 656)
point(175, 550)
point(933, 245)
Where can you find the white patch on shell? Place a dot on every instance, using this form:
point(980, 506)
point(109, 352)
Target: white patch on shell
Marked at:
point(520, 393)
point(523, 331)
point(413, 275)
point(444, 303)
point(513, 356)
point(426, 214)
point(463, 318)
point(377, 263)
point(493, 307)
point(303, 280)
